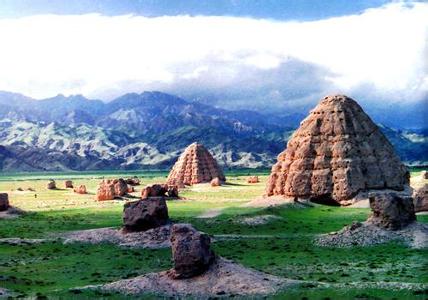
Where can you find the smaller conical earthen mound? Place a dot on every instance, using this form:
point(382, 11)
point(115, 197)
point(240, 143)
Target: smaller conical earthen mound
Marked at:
point(336, 152)
point(195, 165)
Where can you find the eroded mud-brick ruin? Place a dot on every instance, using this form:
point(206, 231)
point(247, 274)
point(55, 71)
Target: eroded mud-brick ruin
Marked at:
point(336, 152)
point(195, 165)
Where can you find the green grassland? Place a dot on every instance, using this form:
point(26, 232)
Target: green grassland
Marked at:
point(283, 247)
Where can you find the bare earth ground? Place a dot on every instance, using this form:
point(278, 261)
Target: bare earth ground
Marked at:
point(257, 220)
point(11, 213)
point(360, 204)
point(417, 181)
point(155, 238)
point(265, 201)
point(212, 213)
point(414, 235)
point(223, 278)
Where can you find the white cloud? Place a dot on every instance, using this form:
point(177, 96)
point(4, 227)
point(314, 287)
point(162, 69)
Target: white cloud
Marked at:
point(103, 56)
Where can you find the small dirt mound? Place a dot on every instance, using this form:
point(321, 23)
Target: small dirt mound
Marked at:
point(223, 278)
point(153, 238)
point(414, 235)
point(11, 213)
point(257, 220)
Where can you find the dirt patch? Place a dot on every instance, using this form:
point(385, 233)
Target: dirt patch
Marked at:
point(417, 181)
point(363, 234)
point(365, 203)
point(275, 201)
point(11, 213)
point(153, 238)
point(257, 220)
point(223, 278)
point(212, 213)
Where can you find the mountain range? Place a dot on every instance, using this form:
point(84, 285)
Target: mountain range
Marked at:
point(149, 130)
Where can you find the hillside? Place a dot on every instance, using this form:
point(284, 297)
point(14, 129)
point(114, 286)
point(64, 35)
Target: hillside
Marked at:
point(147, 130)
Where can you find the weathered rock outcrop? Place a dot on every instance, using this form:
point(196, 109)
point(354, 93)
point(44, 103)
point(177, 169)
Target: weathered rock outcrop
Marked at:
point(4, 201)
point(392, 219)
point(105, 190)
point(391, 211)
point(154, 190)
point(253, 179)
point(120, 187)
point(172, 191)
point(191, 251)
point(68, 184)
point(81, 189)
point(159, 190)
point(133, 181)
point(145, 214)
point(420, 198)
point(336, 152)
point(108, 189)
point(51, 185)
point(195, 165)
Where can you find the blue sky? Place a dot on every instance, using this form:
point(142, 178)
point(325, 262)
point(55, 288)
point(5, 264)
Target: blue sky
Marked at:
point(271, 9)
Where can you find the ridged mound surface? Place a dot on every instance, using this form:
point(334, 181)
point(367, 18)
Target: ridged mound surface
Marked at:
point(195, 165)
point(336, 152)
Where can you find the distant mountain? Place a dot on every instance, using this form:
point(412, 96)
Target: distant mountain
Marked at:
point(147, 130)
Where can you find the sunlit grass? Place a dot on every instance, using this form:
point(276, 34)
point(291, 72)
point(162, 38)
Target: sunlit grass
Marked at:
point(282, 247)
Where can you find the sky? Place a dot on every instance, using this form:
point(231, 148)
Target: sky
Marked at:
point(267, 9)
point(233, 53)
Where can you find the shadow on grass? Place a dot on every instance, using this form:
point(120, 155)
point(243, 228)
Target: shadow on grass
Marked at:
point(233, 184)
point(41, 224)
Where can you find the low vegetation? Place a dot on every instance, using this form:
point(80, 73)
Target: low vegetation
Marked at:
point(282, 246)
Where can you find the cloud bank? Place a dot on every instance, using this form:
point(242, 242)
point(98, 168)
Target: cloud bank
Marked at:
point(379, 54)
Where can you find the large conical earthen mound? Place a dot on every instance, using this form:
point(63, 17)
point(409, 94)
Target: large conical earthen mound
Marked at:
point(195, 165)
point(336, 152)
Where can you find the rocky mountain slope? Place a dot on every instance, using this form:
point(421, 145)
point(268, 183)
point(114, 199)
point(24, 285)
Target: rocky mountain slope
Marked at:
point(147, 130)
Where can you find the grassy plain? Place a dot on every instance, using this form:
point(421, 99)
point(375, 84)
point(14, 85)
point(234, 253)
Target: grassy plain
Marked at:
point(282, 247)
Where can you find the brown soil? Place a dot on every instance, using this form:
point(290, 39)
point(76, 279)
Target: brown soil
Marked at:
point(223, 278)
point(153, 238)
